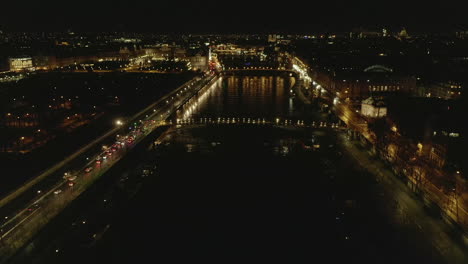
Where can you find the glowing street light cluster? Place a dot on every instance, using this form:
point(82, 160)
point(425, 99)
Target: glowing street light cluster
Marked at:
point(258, 121)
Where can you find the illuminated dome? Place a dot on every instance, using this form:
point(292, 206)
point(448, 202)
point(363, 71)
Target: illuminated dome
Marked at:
point(378, 68)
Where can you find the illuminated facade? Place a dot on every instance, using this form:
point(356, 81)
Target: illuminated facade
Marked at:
point(374, 108)
point(445, 90)
point(199, 62)
point(21, 64)
point(375, 80)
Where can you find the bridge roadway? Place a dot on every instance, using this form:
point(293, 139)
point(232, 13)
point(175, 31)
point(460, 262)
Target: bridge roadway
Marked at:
point(23, 217)
point(262, 70)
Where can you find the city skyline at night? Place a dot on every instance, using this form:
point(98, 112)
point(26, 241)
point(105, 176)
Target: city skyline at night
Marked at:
point(233, 131)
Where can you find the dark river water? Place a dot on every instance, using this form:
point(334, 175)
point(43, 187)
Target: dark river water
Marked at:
point(249, 194)
point(268, 97)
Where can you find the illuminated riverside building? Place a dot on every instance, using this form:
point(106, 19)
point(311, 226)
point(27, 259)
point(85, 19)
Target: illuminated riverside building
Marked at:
point(375, 80)
point(21, 64)
point(373, 107)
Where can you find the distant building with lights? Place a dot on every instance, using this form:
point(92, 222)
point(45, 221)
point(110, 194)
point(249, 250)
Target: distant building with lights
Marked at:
point(374, 80)
point(373, 107)
point(449, 89)
point(198, 59)
point(272, 38)
point(21, 64)
point(403, 34)
point(462, 34)
point(362, 33)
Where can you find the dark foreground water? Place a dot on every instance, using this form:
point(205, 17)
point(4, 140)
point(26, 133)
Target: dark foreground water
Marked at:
point(241, 194)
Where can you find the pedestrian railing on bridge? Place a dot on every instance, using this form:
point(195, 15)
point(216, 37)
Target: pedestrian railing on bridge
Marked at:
point(258, 121)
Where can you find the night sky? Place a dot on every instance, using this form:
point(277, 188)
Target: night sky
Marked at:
point(227, 16)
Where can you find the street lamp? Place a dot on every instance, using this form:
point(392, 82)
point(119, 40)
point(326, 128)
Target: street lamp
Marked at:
point(119, 122)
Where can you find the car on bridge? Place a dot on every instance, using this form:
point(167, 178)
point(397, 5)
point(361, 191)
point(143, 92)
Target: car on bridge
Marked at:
point(116, 146)
point(72, 178)
point(34, 207)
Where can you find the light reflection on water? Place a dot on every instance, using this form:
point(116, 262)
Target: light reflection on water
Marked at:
point(245, 96)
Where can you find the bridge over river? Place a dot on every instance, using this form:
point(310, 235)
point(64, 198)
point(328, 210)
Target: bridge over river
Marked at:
point(263, 100)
